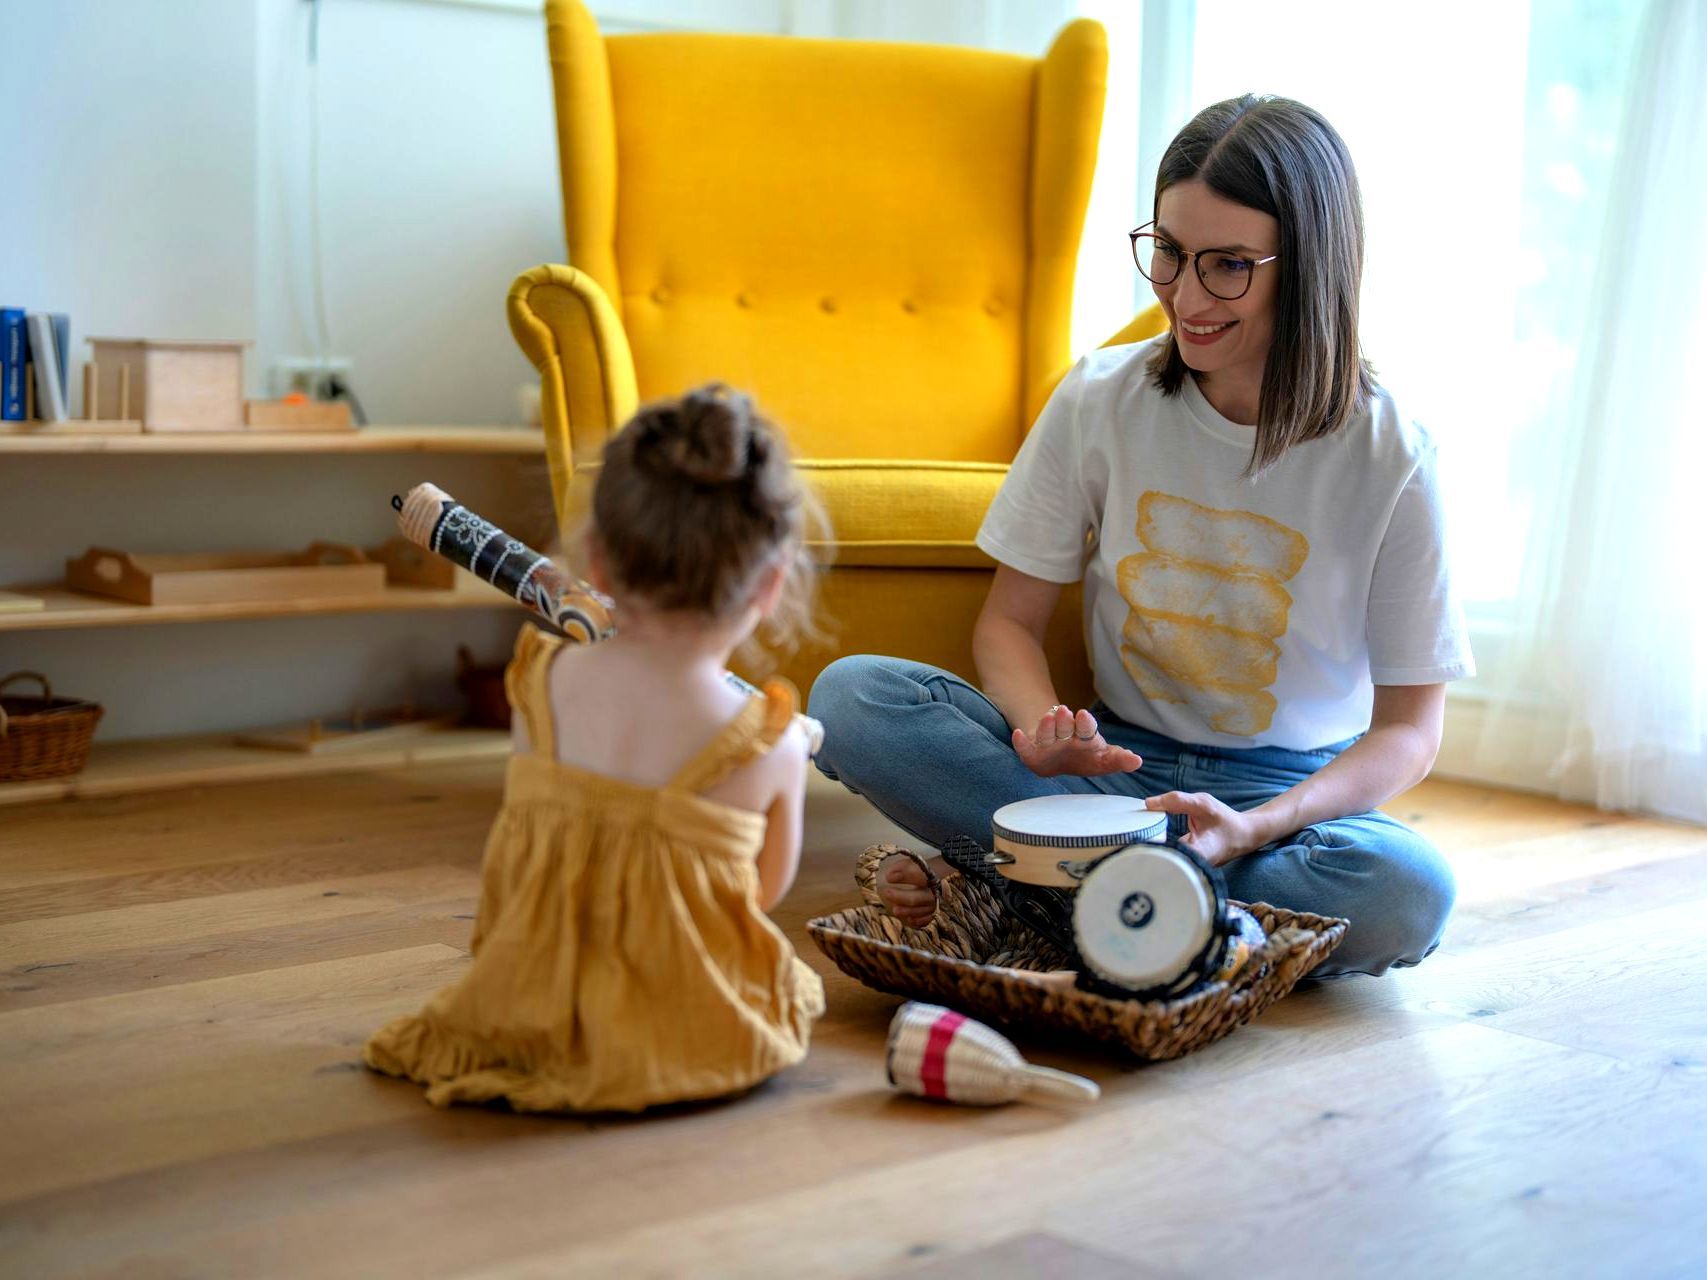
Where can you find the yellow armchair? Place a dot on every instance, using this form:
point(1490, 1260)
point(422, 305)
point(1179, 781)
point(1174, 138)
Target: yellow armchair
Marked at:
point(878, 241)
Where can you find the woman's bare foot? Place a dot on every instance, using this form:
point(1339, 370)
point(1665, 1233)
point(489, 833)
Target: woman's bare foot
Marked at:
point(906, 891)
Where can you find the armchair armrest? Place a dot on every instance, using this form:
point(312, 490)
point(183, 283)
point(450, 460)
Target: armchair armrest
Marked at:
point(567, 327)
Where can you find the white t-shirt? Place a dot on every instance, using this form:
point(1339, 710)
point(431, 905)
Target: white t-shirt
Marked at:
point(1223, 610)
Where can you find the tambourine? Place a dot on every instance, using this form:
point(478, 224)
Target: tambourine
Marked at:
point(1036, 838)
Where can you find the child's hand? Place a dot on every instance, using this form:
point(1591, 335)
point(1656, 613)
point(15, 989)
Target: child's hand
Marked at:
point(1071, 744)
point(906, 891)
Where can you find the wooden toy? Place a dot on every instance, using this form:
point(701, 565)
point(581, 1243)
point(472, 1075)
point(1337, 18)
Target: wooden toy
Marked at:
point(325, 570)
point(937, 1053)
point(361, 729)
point(298, 414)
point(171, 386)
point(13, 602)
point(431, 518)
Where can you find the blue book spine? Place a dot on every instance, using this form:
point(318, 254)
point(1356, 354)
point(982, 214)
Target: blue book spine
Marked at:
point(14, 352)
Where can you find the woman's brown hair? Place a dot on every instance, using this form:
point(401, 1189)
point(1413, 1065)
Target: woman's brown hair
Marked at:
point(695, 497)
point(1282, 158)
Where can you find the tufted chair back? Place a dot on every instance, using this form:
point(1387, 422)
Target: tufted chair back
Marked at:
point(879, 240)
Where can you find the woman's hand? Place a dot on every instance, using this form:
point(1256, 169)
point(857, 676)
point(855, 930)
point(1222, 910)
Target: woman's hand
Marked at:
point(1217, 832)
point(1069, 744)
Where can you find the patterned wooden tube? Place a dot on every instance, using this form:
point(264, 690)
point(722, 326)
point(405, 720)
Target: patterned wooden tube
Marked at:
point(431, 518)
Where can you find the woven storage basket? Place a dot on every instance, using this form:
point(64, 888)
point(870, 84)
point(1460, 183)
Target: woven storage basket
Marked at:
point(43, 737)
point(966, 957)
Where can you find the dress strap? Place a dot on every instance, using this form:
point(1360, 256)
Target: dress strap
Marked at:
point(752, 733)
point(525, 685)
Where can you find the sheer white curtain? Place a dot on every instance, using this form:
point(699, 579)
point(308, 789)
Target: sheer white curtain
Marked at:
point(1603, 690)
point(1533, 179)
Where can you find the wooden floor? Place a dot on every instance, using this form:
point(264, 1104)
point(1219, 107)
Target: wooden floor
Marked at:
point(188, 978)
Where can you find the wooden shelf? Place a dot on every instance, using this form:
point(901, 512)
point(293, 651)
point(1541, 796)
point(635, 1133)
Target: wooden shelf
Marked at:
point(123, 768)
point(500, 440)
point(66, 609)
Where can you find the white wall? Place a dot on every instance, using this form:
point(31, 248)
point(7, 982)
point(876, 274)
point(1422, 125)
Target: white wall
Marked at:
point(438, 185)
point(130, 187)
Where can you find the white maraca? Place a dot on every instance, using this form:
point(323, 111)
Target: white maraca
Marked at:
point(937, 1053)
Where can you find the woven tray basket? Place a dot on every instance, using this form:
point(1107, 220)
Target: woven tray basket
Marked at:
point(43, 737)
point(967, 956)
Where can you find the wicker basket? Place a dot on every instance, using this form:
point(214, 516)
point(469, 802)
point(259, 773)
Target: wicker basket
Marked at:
point(974, 957)
point(43, 737)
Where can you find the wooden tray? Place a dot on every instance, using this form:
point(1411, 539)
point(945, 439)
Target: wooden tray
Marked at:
point(325, 570)
point(350, 733)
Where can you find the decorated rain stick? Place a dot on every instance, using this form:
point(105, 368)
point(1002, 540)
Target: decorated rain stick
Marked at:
point(431, 518)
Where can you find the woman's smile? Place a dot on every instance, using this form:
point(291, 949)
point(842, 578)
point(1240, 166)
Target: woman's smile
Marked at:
point(1203, 334)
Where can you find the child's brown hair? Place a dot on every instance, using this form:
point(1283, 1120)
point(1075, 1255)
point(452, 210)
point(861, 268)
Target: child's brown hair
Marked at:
point(695, 497)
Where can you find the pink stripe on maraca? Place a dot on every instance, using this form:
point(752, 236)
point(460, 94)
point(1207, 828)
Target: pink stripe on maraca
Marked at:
point(931, 1069)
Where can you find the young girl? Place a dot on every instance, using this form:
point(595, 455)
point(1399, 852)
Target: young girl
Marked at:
point(652, 811)
point(1267, 603)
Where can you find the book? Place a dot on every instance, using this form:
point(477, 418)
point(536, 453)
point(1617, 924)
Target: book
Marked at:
point(14, 354)
point(62, 350)
point(50, 399)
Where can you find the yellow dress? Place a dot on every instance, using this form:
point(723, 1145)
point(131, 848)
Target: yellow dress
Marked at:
point(620, 956)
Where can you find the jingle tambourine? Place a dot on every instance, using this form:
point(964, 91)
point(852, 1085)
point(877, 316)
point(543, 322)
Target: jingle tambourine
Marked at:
point(1037, 838)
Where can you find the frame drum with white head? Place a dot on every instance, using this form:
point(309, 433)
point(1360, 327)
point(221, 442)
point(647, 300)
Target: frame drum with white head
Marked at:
point(1032, 838)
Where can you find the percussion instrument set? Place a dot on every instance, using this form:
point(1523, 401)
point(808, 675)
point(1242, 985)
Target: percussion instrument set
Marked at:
point(1142, 914)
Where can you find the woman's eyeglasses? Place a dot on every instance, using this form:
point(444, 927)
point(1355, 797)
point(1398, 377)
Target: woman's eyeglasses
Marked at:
point(1224, 273)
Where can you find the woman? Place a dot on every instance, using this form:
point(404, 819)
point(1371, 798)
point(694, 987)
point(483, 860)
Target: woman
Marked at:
point(1268, 608)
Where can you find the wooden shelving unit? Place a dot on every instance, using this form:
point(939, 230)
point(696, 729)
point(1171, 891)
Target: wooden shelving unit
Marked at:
point(426, 439)
point(122, 768)
point(153, 764)
point(66, 610)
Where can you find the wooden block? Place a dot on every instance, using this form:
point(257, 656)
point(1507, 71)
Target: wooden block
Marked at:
point(324, 571)
point(12, 602)
point(310, 415)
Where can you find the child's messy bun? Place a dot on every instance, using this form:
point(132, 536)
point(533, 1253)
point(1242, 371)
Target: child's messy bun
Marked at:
point(696, 497)
point(707, 437)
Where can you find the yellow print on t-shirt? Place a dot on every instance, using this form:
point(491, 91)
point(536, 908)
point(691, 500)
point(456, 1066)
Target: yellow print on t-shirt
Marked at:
point(1207, 607)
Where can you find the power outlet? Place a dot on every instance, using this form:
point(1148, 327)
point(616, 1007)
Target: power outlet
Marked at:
point(307, 375)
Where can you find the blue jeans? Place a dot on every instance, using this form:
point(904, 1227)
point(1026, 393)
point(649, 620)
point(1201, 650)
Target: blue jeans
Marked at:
point(934, 755)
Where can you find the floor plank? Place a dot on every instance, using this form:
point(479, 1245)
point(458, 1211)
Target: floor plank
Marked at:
point(186, 979)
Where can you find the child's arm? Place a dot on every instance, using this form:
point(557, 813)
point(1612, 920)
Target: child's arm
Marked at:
point(779, 858)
